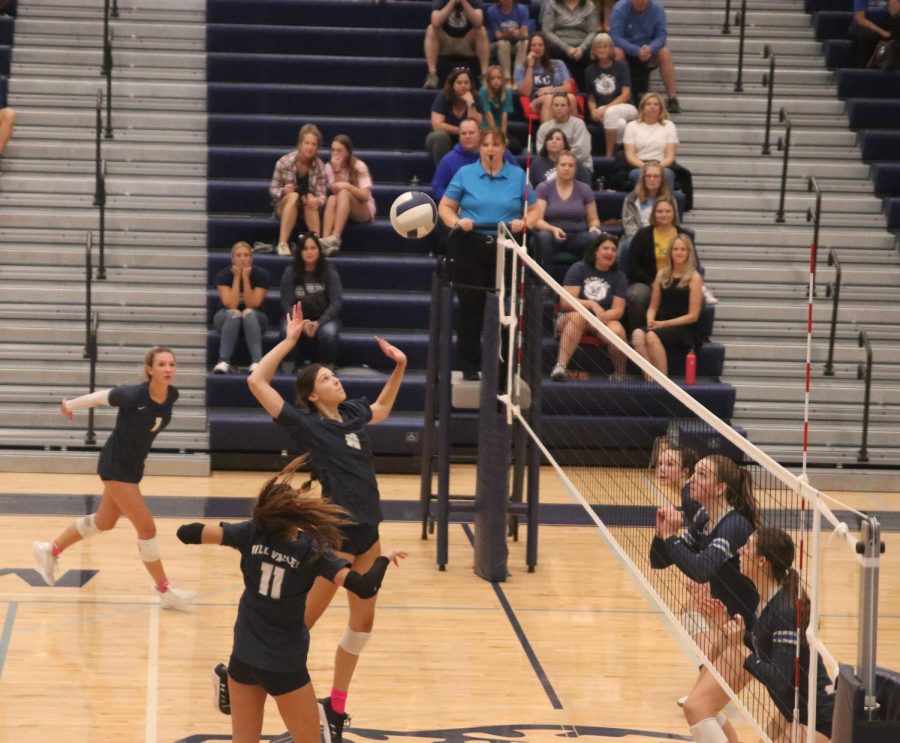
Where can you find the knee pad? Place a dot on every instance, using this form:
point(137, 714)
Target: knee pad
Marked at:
point(708, 731)
point(87, 526)
point(149, 549)
point(722, 719)
point(354, 642)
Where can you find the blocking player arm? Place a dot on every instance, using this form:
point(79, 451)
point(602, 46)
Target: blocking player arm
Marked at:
point(197, 533)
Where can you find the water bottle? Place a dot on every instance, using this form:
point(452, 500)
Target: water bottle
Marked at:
point(690, 368)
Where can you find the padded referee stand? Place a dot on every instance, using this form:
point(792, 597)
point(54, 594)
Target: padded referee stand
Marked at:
point(851, 721)
point(498, 444)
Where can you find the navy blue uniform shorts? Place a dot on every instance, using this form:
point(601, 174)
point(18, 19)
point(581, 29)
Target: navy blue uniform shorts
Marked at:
point(358, 538)
point(274, 682)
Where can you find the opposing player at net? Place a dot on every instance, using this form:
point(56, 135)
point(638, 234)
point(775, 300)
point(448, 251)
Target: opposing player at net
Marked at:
point(707, 551)
point(333, 430)
point(767, 653)
point(144, 410)
point(286, 547)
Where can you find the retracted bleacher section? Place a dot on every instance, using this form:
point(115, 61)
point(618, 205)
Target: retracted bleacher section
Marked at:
point(356, 68)
point(872, 96)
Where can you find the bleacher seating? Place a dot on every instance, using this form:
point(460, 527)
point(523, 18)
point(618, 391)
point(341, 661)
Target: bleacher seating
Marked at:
point(872, 96)
point(272, 65)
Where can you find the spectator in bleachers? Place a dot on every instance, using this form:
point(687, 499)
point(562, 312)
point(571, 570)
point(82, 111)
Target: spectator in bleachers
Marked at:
point(350, 187)
point(565, 220)
point(638, 205)
point(866, 34)
point(298, 183)
point(600, 288)
point(608, 85)
point(541, 77)
point(496, 101)
point(573, 127)
point(7, 122)
point(242, 290)
point(651, 137)
point(465, 152)
point(543, 167)
point(507, 28)
point(647, 256)
point(453, 104)
point(638, 28)
point(675, 305)
point(479, 197)
point(456, 29)
point(315, 283)
point(569, 27)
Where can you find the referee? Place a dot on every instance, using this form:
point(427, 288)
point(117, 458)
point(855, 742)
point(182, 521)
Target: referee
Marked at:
point(480, 196)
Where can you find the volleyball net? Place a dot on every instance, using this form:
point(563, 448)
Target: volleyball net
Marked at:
point(624, 439)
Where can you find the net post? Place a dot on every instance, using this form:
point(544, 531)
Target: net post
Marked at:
point(869, 547)
point(492, 486)
point(443, 439)
point(532, 368)
point(431, 379)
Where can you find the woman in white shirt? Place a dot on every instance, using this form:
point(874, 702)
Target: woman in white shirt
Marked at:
point(652, 136)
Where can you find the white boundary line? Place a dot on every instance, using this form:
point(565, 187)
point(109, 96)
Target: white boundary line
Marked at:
point(152, 675)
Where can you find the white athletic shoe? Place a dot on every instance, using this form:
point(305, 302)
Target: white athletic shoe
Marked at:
point(330, 244)
point(709, 297)
point(559, 373)
point(176, 599)
point(223, 367)
point(46, 562)
point(252, 367)
point(283, 249)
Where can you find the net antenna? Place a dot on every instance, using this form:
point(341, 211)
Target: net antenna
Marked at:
point(622, 500)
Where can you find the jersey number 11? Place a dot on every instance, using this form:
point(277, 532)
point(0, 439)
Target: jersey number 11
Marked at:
point(270, 580)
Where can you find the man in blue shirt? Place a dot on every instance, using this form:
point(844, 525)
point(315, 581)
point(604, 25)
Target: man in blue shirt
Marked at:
point(638, 28)
point(478, 197)
point(463, 153)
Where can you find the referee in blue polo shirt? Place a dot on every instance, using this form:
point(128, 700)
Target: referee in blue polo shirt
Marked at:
point(479, 196)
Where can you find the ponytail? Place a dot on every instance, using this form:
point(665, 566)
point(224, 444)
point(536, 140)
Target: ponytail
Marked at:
point(739, 487)
point(282, 509)
point(777, 548)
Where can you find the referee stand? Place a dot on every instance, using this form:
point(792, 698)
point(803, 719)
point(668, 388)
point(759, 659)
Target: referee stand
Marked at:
point(502, 442)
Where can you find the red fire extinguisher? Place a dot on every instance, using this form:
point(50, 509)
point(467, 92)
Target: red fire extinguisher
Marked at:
point(690, 368)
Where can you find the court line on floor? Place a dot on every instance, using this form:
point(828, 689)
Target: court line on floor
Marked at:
point(520, 633)
point(11, 612)
point(150, 724)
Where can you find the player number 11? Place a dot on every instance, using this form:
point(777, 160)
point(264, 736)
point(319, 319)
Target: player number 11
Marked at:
point(270, 580)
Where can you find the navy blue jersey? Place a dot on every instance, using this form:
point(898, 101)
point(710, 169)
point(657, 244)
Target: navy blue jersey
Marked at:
point(269, 632)
point(774, 645)
point(139, 420)
point(710, 556)
point(341, 455)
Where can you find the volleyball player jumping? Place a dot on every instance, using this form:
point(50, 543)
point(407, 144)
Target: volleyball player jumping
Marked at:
point(144, 410)
point(333, 430)
point(285, 548)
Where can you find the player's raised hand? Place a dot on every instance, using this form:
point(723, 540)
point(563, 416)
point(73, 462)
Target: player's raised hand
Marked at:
point(294, 326)
point(392, 352)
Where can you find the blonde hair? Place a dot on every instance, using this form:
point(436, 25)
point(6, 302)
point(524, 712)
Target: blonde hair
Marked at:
point(503, 91)
point(310, 129)
point(150, 357)
point(690, 267)
point(241, 244)
point(663, 111)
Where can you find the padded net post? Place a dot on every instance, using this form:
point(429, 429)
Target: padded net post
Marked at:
point(492, 487)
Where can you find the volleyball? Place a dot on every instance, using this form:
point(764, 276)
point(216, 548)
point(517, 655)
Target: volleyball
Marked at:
point(413, 214)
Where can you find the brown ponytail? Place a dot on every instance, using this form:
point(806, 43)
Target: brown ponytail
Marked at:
point(281, 509)
point(306, 383)
point(777, 547)
point(739, 487)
